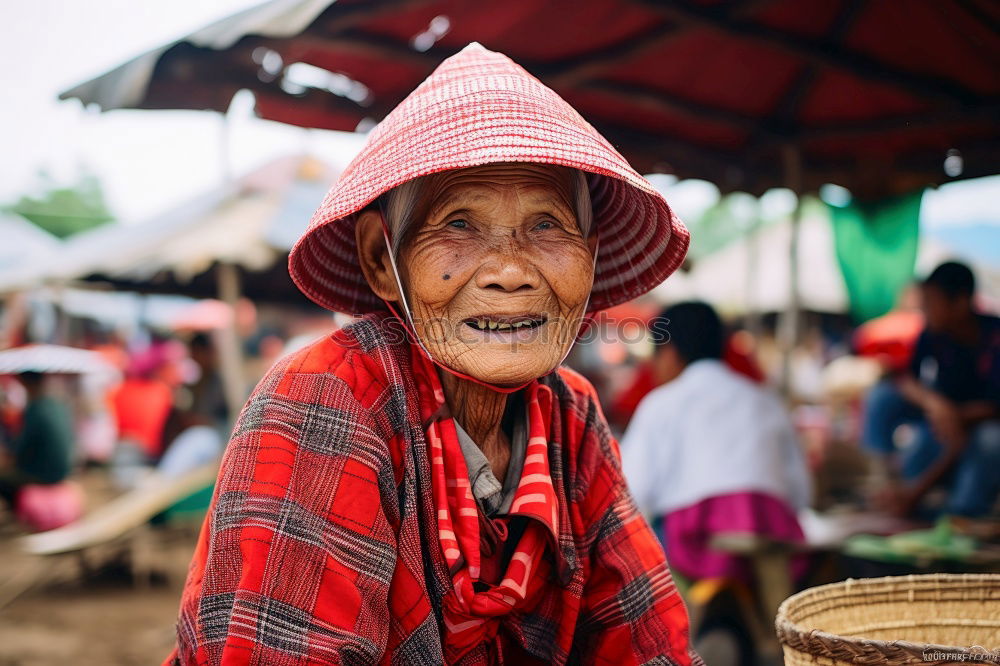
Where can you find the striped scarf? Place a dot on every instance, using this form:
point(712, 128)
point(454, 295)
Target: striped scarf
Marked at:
point(473, 617)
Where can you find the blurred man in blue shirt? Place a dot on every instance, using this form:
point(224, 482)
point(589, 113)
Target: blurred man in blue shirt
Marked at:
point(951, 394)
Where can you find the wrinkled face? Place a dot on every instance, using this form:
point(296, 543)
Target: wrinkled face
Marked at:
point(496, 270)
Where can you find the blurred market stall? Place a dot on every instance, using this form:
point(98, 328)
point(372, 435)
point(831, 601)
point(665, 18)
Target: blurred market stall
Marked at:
point(881, 98)
point(250, 223)
point(228, 243)
point(700, 89)
point(749, 96)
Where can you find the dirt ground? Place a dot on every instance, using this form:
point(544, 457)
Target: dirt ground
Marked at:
point(92, 625)
point(97, 614)
point(65, 611)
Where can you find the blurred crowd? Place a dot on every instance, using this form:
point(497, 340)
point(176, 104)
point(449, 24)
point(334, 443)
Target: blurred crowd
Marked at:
point(899, 416)
point(152, 403)
point(719, 432)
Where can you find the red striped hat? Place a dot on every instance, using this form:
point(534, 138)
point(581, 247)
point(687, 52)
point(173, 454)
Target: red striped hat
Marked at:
point(480, 107)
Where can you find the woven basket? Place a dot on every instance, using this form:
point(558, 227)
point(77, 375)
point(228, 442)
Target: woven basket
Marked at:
point(934, 619)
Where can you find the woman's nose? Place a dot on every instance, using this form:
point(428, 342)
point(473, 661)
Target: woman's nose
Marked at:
point(508, 269)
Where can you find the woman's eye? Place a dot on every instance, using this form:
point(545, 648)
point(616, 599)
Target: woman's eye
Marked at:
point(545, 224)
point(458, 224)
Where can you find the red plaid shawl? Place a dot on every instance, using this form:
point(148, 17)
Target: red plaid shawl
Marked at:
point(322, 545)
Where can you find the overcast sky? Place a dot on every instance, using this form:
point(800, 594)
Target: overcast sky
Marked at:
point(151, 160)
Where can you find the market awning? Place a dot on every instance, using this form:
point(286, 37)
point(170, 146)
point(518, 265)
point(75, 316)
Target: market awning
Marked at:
point(872, 94)
point(250, 223)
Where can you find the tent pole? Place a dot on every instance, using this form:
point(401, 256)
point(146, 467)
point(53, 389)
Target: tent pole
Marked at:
point(14, 319)
point(753, 322)
point(230, 349)
point(225, 149)
point(788, 331)
point(229, 289)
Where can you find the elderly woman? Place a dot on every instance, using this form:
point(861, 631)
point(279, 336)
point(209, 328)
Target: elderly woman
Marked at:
point(428, 485)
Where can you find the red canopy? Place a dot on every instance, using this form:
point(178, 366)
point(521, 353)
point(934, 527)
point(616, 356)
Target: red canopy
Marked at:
point(871, 94)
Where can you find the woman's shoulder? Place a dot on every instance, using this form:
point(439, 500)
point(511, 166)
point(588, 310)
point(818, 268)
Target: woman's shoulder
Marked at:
point(592, 444)
point(321, 399)
point(579, 387)
point(344, 359)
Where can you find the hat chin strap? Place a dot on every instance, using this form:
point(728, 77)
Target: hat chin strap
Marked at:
point(408, 320)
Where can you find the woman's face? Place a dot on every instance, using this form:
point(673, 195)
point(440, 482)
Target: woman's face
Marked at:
point(496, 270)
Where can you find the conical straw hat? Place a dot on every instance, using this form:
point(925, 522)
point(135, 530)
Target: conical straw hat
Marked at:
point(480, 107)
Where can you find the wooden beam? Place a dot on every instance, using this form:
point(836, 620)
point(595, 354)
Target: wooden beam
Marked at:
point(231, 346)
point(975, 11)
point(985, 113)
point(339, 17)
point(662, 101)
point(819, 52)
point(789, 321)
point(744, 7)
point(571, 71)
point(787, 109)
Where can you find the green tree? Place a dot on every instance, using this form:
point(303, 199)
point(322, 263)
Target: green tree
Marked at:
point(64, 210)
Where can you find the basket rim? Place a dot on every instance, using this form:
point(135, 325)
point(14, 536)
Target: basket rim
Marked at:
point(835, 646)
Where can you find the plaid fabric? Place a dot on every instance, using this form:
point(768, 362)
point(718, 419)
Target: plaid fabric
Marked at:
point(322, 544)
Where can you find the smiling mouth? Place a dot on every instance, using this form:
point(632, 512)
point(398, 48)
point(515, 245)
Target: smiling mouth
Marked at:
point(505, 323)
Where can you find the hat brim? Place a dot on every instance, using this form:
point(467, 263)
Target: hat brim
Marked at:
point(481, 108)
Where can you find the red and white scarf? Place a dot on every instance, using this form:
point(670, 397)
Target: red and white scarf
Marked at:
point(473, 618)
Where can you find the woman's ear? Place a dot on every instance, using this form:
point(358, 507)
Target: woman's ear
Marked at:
point(373, 255)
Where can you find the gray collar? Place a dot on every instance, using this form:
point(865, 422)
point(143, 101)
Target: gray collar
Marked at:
point(492, 496)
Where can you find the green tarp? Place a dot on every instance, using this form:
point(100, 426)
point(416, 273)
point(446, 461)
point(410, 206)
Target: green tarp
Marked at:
point(876, 245)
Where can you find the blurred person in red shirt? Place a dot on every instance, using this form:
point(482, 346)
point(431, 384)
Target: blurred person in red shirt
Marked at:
point(144, 399)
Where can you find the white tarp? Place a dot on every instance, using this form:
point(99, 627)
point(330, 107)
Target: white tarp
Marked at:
point(724, 278)
point(23, 242)
point(250, 223)
point(53, 359)
point(125, 86)
point(753, 272)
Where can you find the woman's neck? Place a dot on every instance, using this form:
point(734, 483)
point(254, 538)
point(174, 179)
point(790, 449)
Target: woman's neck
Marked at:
point(479, 410)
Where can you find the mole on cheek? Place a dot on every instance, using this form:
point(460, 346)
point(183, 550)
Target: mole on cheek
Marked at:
point(445, 277)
